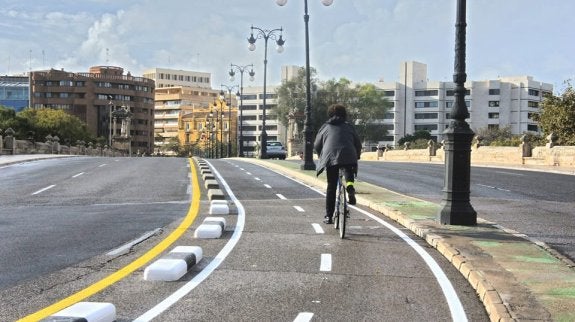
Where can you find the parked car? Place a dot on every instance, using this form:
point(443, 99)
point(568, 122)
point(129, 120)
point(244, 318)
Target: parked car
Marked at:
point(275, 149)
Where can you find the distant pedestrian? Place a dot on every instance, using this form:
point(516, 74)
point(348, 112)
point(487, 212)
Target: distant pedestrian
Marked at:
point(338, 146)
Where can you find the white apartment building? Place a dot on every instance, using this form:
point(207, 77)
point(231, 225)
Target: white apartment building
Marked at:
point(420, 104)
point(166, 77)
point(253, 106)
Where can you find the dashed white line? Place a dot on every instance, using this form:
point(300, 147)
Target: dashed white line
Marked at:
point(282, 197)
point(325, 265)
point(267, 186)
point(303, 317)
point(102, 165)
point(258, 179)
point(298, 208)
point(317, 228)
point(249, 173)
point(77, 175)
point(44, 189)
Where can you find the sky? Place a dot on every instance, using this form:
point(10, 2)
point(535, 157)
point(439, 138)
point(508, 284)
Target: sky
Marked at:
point(361, 40)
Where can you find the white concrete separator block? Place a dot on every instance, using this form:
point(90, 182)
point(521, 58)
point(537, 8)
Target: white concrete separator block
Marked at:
point(219, 208)
point(166, 269)
point(216, 194)
point(208, 231)
point(187, 251)
point(88, 311)
point(211, 184)
point(219, 202)
point(216, 221)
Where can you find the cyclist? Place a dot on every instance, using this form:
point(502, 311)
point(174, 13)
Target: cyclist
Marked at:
point(338, 146)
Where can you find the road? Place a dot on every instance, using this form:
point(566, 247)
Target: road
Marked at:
point(284, 265)
point(538, 204)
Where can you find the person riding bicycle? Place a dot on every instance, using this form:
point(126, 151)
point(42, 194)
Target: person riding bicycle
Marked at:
point(338, 146)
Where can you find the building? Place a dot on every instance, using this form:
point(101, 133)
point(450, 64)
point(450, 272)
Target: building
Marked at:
point(170, 104)
point(166, 77)
point(93, 96)
point(210, 131)
point(14, 92)
point(252, 114)
point(420, 104)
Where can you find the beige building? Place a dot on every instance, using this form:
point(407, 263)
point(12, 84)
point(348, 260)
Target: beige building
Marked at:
point(166, 77)
point(93, 96)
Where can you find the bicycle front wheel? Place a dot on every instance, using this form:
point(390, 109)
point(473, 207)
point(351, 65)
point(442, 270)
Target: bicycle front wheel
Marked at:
point(343, 215)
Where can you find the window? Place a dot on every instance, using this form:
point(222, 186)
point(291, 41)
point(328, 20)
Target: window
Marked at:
point(389, 116)
point(494, 91)
point(250, 117)
point(533, 104)
point(449, 104)
point(268, 96)
point(432, 92)
point(493, 103)
point(533, 92)
point(249, 128)
point(249, 107)
point(493, 115)
point(388, 93)
point(425, 116)
point(425, 127)
point(451, 92)
point(388, 127)
point(531, 115)
point(250, 97)
point(426, 104)
point(532, 127)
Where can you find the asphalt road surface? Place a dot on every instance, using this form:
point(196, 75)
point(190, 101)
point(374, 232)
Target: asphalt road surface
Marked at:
point(276, 260)
point(538, 204)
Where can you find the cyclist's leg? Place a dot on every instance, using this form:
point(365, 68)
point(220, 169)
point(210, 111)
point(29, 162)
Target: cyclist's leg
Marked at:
point(332, 174)
point(349, 172)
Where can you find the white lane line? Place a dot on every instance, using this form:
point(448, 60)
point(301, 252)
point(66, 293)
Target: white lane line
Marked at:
point(44, 189)
point(298, 208)
point(453, 301)
point(492, 187)
point(102, 165)
point(325, 265)
point(510, 173)
point(77, 175)
point(318, 228)
point(242, 169)
point(220, 257)
point(303, 317)
point(267, 186)
point(248, 173)
point(258, 179)
point(282, 197)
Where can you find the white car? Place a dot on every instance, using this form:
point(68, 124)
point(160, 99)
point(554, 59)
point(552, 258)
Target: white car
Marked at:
point(275, 149)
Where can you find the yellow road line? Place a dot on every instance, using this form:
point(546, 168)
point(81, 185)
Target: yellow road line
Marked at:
point(130, 268)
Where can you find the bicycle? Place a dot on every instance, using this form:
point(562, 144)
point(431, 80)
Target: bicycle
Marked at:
point(341, 212)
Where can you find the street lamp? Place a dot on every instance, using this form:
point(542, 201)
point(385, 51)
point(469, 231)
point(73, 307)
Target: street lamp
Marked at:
point(265, 34)
point(222, 96)
point(241, 69)
point(308, 163)
point(456, 208)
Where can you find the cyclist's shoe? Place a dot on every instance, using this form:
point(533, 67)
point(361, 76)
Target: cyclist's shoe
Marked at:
point(351, 194)
point(327, 220)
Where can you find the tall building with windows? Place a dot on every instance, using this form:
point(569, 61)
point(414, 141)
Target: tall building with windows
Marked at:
point(94, 95)
point(420, 104)
point(170, 104)
point(166, 77)
point(14, 92)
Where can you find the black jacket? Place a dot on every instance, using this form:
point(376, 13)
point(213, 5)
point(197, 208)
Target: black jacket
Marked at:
point(337, 143)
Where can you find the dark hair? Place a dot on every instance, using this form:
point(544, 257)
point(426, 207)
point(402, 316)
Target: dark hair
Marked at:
point(337, 110)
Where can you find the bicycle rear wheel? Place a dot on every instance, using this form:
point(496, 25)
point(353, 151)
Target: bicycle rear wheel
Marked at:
point(344, 213)
point(338, 206)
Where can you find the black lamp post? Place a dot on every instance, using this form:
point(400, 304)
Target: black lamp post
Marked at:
point(308, 163)
point(456, 208)
point(229, 104)
point(265, 34)
point(241, 69)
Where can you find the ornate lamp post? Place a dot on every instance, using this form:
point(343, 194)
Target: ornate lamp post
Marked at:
point(265, 34)
point(456, 208)
point(241, 69)
point(308, 163)
point(222, 96)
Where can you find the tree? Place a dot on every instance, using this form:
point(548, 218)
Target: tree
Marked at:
point(292, 97)
point(421, 135)
point(46, 121)
point(557, 115)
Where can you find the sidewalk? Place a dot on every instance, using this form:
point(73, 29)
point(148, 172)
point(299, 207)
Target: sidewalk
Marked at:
point(516, 279)
point(19, 158)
